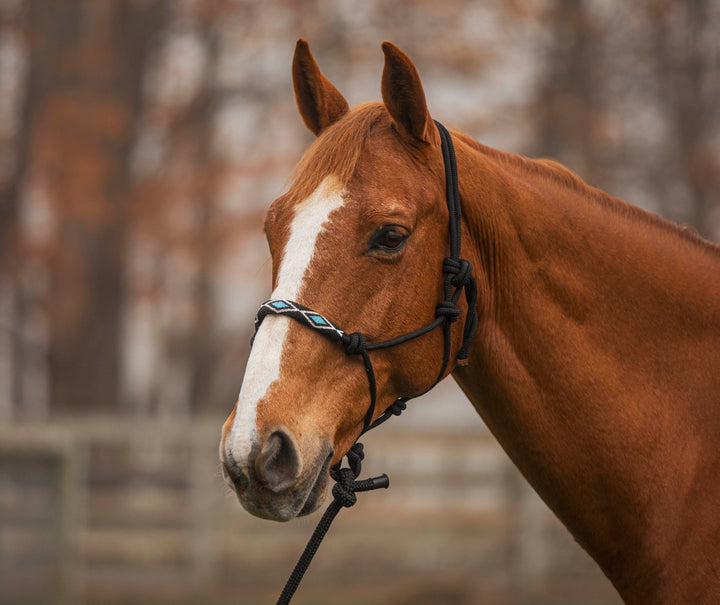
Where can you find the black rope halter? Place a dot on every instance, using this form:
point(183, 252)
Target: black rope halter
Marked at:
point(457, 276)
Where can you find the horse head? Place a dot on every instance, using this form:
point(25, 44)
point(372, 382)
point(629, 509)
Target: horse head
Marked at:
point(359, 238)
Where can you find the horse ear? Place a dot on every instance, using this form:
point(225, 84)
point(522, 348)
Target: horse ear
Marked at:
point(403, 95)
point(319, 102)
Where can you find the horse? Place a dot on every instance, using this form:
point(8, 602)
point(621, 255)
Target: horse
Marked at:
point(596, 362)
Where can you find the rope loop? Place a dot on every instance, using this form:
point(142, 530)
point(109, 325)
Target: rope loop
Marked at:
point(459, 270)
point(355, 456)
point(354, 343)
point(448, 310)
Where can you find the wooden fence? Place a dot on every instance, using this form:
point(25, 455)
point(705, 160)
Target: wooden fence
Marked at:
point(123, 512)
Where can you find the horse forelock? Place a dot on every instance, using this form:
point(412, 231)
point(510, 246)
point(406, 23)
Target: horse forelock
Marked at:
point(336, 151)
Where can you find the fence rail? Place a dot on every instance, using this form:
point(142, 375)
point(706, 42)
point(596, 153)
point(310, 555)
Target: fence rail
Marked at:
point(101, 511)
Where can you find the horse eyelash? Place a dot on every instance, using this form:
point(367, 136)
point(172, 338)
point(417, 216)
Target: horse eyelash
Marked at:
point(373, 245)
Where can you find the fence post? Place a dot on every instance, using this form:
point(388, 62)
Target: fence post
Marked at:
point(71, 490)
point(204, 498)
point(529, 552)
point(20, 443)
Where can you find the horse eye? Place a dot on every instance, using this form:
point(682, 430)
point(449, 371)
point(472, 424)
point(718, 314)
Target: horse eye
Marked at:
point(389, 239)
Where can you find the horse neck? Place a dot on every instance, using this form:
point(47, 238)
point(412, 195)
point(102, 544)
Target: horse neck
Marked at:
point(595, 365)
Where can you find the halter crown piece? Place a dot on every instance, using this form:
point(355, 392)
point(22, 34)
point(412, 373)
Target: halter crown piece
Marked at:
point(457, 276)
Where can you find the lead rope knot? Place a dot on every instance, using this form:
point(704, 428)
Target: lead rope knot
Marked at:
point(345, 485)
point(342, 491)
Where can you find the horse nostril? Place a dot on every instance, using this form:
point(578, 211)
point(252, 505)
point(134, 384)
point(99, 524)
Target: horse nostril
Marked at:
point(278, 464)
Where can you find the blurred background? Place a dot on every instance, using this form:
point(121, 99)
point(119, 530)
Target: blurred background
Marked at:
point(141, 142)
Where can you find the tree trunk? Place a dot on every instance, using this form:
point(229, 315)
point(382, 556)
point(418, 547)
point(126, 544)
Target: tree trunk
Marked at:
point(568, 93)
point(87, 58)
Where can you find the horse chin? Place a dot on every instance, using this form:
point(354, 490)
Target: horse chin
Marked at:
point(317, 494)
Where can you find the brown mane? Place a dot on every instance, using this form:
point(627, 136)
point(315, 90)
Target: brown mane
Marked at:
point(561, 175)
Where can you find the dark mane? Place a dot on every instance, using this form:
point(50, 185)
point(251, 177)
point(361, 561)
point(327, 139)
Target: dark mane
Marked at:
point(336, 151)
point(559, 174)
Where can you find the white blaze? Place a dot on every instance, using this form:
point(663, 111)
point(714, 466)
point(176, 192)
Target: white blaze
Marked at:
point(263, 367)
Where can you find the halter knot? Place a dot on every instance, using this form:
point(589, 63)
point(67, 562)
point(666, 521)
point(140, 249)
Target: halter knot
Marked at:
point(343, 490)
point(458, 269)
point(397, 407)
point(354, 343)
point(448, 310)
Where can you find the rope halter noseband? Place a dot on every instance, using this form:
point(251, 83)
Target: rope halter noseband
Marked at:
point(457, 277)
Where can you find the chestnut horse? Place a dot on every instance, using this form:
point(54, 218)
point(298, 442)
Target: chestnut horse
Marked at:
point(596, 362)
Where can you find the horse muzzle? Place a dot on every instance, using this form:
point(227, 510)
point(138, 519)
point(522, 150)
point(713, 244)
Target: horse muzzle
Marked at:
point(276, 481)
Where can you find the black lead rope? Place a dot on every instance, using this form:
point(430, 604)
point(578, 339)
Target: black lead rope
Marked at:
point(457, 276)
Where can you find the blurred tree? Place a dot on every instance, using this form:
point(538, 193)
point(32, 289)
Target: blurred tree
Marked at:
point(627, 97)
point(83, 103)
point(13, 145)
point(151, 135)
point(686, 51)
point(569, 93)
point(179, 192)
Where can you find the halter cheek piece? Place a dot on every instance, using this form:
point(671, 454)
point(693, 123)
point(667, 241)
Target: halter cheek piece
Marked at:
point(457, 276)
